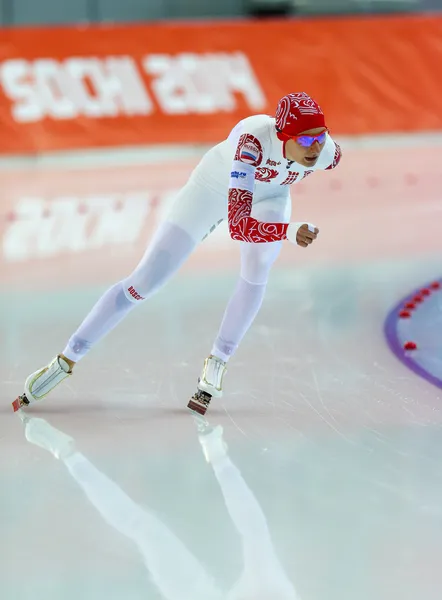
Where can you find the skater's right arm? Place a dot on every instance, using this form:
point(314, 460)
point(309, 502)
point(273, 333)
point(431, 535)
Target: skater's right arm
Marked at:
point(243, 227)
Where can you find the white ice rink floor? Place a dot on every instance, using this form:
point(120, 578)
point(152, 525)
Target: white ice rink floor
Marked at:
point(330, 487)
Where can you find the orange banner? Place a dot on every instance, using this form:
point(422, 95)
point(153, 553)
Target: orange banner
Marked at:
point(66, 88)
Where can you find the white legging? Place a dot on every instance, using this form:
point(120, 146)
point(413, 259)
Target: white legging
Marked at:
point(195, 213)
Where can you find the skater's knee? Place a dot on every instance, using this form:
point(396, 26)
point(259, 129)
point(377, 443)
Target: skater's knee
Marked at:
point(78, 346)
point(169, 249)
point(132, 293)
point(149, 277)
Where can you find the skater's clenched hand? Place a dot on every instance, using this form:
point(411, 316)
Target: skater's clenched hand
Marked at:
point(305, 236)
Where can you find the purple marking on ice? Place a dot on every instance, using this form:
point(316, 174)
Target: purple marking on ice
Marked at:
point(396, 345)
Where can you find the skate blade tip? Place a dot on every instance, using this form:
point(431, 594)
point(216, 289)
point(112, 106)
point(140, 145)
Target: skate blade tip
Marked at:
point(20, 402)
point(16, 405)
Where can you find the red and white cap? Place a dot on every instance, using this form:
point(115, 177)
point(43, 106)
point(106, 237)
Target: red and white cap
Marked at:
point(297, 113)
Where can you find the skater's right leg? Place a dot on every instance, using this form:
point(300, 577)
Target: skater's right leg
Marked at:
point(194, 214)
point(244, 304)
point(169, 249)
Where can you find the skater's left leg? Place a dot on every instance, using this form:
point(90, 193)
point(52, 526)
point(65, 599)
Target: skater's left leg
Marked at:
point(246, 300)
point(256, 263)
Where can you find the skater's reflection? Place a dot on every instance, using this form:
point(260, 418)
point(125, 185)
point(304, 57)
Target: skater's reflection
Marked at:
point(263, 577)
point(177, 573)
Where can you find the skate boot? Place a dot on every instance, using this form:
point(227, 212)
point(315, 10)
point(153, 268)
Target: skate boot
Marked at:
point(209, 385)
point(40, 383)
point(40, 433)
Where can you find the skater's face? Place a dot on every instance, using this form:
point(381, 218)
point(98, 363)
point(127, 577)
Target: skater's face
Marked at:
point(306, 147)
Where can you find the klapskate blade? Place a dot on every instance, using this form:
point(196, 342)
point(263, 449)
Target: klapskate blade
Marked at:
point(196, 407)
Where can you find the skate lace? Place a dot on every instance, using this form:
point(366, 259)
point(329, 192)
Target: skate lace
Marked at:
point(52, 372)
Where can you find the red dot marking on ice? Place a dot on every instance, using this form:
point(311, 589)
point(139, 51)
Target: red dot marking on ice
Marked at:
point(418, 299)
point(411, 179)
point(435, 285)
point(425, 292)
point(410, 305)
point(373, 182)
point(410, 346)
point(405, 314)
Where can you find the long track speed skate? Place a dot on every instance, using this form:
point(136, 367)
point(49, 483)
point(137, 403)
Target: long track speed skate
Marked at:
point(40, 383)
point(209, 385)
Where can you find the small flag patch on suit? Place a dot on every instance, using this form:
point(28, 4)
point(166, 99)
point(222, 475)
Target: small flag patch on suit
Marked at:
point(249, 153)
point(249, 150)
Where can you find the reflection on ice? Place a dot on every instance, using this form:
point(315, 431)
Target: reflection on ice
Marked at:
point(175, 570)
